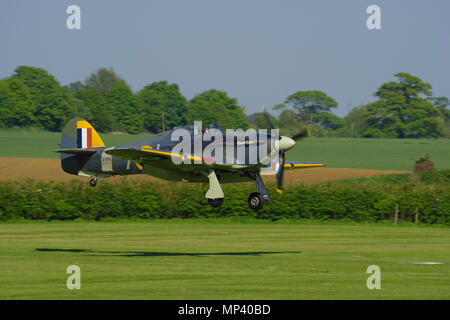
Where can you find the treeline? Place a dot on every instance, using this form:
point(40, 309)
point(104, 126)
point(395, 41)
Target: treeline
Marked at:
point(405, 108)
point(33, 98)
point(351, 200)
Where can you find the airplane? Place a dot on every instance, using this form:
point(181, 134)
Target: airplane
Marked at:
point(83, 153)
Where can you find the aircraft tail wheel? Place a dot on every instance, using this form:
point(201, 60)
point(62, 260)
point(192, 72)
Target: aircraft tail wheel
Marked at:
point(215, 202)
point(93, 182)
point(256, 201)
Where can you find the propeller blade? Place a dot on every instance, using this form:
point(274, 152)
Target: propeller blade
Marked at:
point(301, 134)
point(267, 117)
point(280, 172)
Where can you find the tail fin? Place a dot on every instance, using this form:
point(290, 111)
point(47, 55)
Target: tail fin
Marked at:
point(79, 133)
point(78, 141)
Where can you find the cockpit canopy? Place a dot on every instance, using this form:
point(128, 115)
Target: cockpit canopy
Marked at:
point(205, 129)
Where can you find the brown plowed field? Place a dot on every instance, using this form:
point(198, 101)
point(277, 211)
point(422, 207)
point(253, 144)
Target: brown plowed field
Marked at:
point(50, 169)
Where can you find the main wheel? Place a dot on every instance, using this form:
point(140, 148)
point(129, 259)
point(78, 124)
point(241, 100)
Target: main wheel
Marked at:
point(256, 201)
point(215, 202)
point(93, 182)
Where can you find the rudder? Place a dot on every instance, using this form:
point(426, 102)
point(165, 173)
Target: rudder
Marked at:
point(79, 133)
point(77, 142)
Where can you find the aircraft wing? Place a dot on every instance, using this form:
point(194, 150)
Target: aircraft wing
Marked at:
point(143, 154)
point(138, 155)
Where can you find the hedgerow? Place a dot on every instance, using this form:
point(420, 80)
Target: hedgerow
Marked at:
point(351, 200)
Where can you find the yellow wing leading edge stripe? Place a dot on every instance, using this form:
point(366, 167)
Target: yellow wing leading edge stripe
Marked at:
point(302, 165)
point(149, 150)
point(286, 164)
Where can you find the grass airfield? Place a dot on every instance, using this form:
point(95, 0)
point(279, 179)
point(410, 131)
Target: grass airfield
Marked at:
point(222, 259)
point(226, 258)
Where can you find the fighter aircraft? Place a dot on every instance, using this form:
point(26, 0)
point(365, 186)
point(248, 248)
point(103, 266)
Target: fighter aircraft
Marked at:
point(83, 153)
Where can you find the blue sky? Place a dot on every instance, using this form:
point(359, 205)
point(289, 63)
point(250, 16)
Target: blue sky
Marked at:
point(258, 51)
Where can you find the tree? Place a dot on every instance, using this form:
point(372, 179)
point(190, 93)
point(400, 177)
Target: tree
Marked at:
point(308, 102)
point(16, 106)
point(310, 107)
point(74, 87)
point(258, 121)
point(289, 123)
point(328, 120)
point(216, 106)
point(355, 123)
point(288, 118)
point(100, 118)
point(442, 104)
point(103, 80)
point(124, 108)
point(105, 107)
point(402, 110)
point(50, 107)
point(81, 109)
point(162, 98)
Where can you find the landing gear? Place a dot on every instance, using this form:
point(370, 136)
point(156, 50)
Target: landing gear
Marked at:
point(214, 194)
point(93, 182)
point(256, 201)
point(215, 202)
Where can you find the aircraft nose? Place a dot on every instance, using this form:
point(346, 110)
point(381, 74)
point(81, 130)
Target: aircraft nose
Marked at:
point(286, 143)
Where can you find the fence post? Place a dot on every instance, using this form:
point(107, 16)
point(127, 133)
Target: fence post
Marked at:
point(396, 214)
point(416, 218)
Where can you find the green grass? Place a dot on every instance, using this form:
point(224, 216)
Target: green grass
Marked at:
point(385, 179)
point(222, 259)
point(386, 154)
point(435, 177)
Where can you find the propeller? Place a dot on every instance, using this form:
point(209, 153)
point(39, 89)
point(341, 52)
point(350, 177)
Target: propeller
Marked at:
point(280, 172)
point(287, 143)
point(301, 134)
point(304, 133)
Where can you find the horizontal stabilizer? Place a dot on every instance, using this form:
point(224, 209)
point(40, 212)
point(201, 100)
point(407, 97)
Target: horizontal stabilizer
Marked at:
point(77, 151)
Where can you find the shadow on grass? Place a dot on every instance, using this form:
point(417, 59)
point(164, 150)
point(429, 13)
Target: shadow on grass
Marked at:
point(164, 254)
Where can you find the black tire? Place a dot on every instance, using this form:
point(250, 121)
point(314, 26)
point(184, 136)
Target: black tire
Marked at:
point(215, 202)
point(93, 182)
point(256, 201)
